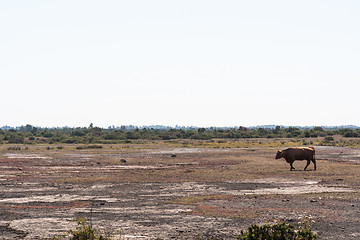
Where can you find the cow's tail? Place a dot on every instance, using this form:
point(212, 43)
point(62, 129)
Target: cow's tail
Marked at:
point(314, 152)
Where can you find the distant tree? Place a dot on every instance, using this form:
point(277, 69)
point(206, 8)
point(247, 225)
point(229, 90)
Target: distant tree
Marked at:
point(276, 130)
point(17, 139)
point(27, 128)
point(291, 129)
point(306, 133)
point(34, 130)
point(241, 128)
point(350, 133)
point(320, 129)
point(201, 130)
point(47, 134)
point(78, 132)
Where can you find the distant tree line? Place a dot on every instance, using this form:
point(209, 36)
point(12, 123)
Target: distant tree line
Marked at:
point(87, 135)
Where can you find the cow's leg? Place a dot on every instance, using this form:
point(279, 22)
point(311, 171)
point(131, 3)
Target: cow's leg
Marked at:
point(291, 165)
point(314, 162)
point(307, 164)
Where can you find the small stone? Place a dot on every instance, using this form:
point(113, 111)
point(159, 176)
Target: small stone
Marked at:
point(123, 160)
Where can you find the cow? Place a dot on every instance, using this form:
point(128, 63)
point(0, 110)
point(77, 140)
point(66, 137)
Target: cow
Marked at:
point(297, 153)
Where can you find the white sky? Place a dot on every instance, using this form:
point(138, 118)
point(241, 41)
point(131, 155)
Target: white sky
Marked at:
point(198, 62)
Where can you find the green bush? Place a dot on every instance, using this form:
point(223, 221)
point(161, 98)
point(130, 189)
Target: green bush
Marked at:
point(280, 231)
point(83, 231)
point(329, 139)
point(17, 139)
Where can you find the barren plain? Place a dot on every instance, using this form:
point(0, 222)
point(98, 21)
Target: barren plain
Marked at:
point(175, 189)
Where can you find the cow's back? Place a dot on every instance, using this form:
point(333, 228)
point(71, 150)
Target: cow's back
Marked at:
point(299, 153)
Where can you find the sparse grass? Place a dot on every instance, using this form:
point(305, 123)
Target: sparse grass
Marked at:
point(83, 231)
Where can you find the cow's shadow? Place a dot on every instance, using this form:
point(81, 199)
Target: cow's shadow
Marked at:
point(301, 170)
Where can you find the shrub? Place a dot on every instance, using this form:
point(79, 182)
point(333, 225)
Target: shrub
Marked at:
point(88, 147)
point(93, 146)
point(329, 139)
point(69, 140)
point(16, 139)
point(83, 231)
point(14, 148)
point(350, 133)
point(280, 231)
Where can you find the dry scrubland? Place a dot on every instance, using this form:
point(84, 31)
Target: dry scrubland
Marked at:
point(177, 189)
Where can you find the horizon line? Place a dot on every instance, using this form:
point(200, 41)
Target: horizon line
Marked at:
point(184, 126)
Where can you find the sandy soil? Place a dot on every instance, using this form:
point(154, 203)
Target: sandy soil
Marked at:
point(167, 192)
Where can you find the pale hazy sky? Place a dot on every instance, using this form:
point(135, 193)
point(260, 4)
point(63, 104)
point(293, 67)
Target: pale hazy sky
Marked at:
point(198, 62)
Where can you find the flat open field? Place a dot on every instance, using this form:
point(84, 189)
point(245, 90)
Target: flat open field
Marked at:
point(175, 189)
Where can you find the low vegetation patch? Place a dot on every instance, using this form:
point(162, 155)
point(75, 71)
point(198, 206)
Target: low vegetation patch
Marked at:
point(83, 231)
point(88, 147)
point(17, 148)
point(280, 231)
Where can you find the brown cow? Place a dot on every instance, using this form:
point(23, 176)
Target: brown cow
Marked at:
point(297, 153)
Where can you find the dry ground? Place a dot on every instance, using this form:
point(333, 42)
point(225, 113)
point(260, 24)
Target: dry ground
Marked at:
point(175, 189)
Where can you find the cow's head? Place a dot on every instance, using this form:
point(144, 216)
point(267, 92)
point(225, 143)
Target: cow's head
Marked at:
point(279, 154)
